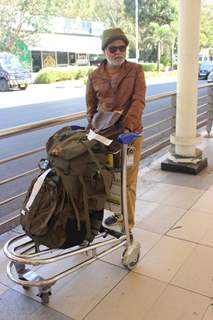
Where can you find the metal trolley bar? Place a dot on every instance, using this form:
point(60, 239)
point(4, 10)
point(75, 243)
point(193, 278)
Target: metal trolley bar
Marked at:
point(52, 280)
point(26, 259)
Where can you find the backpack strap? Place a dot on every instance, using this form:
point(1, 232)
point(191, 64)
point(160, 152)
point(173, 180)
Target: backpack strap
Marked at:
point(66, 184)
point(86, 207)
point(77, 215)
point(36, 188)
point(107, 189)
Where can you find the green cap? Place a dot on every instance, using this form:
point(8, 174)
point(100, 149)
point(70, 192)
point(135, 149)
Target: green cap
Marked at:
point(113, 34)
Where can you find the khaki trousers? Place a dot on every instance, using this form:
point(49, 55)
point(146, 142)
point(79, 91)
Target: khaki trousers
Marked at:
point(132, 173)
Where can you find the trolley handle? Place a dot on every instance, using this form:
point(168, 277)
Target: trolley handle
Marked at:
point(129, 137)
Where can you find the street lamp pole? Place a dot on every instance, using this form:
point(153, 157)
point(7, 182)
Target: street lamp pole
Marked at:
point(136, 31)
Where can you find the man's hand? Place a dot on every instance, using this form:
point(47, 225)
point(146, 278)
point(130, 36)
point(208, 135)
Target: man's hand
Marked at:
point(89, 126)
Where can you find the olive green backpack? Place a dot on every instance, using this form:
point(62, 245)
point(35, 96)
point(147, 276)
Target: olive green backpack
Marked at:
point(64, 205)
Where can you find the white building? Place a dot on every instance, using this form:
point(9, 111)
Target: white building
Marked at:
point(71, 41)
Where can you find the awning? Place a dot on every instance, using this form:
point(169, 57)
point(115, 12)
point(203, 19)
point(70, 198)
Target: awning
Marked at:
point(68, 43)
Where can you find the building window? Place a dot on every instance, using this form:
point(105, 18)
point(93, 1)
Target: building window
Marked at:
point(36, 61)
point(49, 59)
point(82, 59)
point(71, 58)
point(62, 58)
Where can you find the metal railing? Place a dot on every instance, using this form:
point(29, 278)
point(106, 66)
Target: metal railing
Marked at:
point(158, 125)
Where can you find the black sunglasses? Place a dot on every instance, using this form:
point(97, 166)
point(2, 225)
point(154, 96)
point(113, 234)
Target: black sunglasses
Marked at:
point(113, 49)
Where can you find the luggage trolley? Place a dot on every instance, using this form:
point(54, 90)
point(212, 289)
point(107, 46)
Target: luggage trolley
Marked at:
point(24, 252)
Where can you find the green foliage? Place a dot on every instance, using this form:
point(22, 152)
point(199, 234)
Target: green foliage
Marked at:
point(165, 59)
point(157, 26)
point(53, 74)
point(20, 49)
point(22, 20)
point(206, 25)
point(151, 67)
point(159, 11)
point(162, 39)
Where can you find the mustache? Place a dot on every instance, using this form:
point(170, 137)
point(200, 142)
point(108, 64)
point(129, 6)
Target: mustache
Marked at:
point(120, 57)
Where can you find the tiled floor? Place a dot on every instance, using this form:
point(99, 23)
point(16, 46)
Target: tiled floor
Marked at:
point(173, 279)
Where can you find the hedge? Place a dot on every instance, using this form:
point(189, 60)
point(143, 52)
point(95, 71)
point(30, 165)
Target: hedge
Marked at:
point(151, 66)
point(53, 74)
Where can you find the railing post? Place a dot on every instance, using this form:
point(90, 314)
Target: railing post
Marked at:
point(210, 112)
point(173, 108)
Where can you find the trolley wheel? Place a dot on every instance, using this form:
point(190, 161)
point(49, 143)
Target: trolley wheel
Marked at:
point(26, 287)
point(44, 294)
point(20, 268)
point(45, 298)
point(131, 256)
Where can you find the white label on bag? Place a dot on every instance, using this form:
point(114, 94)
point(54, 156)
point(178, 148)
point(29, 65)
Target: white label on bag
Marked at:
point(37, 186)
point(94, 136)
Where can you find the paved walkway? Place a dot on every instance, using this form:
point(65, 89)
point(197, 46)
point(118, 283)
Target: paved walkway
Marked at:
point(172, 281)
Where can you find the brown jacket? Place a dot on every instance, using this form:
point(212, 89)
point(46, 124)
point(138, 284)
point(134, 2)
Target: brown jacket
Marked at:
point(127, 93)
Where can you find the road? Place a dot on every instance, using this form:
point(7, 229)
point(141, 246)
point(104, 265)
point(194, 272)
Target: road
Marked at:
point(39, 103)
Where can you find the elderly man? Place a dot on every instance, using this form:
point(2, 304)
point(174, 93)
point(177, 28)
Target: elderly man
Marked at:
point(118, 85)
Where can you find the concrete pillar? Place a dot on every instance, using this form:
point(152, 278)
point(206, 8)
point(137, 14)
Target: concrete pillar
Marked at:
point(185, 138)
point(188, 50)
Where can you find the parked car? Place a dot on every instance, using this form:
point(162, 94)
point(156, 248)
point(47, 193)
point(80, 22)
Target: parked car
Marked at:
point(210, 77)
point(205, 69)
point(12, 73)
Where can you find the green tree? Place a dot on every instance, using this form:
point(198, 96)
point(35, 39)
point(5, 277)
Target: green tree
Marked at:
point(159, 11)
point(173, 34)
point(206, 25)
point(22, 21)
point(161, 38)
